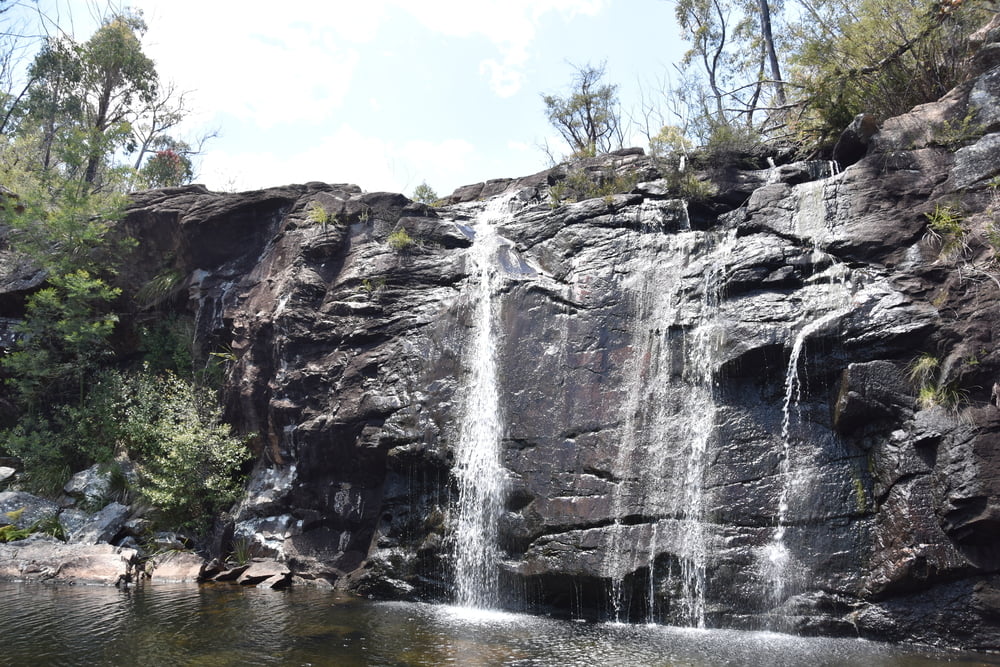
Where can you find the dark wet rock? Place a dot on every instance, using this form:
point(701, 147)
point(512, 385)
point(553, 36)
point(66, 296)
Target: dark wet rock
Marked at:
point(774, 324)
point(854, 140)
point(352, 363)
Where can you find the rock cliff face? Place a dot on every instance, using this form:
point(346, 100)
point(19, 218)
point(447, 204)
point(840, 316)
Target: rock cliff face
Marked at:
point(710, 410)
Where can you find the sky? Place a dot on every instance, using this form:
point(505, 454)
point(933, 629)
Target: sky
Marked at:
point(387, 94)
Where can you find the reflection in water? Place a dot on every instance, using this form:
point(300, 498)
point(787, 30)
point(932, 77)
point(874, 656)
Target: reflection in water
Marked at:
point(229, 625)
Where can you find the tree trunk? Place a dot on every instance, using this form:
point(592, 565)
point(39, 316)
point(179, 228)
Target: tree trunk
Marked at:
point(772, 56)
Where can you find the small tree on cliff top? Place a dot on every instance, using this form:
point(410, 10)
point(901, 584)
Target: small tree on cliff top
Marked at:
point(588, 118)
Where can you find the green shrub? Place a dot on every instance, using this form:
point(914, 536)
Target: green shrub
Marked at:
point(159, 288)
point(48, 525)
point(243, 552)
point(373, 287)
point(729, 145)
point(63, 338)
point(425, 194)
point(400, 240)
point(923, 369)
point(954, 134)
point(48, 456)
point(946, 225)
point(931, 391)
point(11, 533)
point(318, 215)
point(167, 344)
point(947, 396)
point(579, 184)
point(877, 56)
point(187, 459)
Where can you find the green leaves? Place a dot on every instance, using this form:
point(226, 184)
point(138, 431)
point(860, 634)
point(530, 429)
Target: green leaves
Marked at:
point(63, 337)
point(877, 56)
point(89, 103)
point(188, 459)
point(424, 194)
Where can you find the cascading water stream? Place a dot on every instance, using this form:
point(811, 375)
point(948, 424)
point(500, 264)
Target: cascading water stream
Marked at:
point(776, 564)
point(700, 412)
point(668, 422)
point(833, 299)
point(654, 291)
point(478, 469)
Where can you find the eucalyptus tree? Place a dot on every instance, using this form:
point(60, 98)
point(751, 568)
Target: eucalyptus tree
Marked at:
point(588, 118)
point(732, 42)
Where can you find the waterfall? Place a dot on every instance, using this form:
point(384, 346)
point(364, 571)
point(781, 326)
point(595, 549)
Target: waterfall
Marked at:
point(478, 468)
point(642, 461)
point(668, 422)
point(700, 410)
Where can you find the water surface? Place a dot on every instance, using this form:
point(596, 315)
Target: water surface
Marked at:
point(230, 625)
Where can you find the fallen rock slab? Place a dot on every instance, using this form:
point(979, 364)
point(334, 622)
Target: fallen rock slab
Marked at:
point(103, 526)
point(266, 573)
point(177, 567)
point(43, 558)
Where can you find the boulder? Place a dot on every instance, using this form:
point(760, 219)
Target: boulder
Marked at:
point(268, 574)
point(23, 509)
point(90, 486)
point(853, 142)
point(103, 526)
point(976, 164)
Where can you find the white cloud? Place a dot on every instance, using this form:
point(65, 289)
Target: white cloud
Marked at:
point(510, 25)
point(505, 80)
point(440, 162)
point(251, 62)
